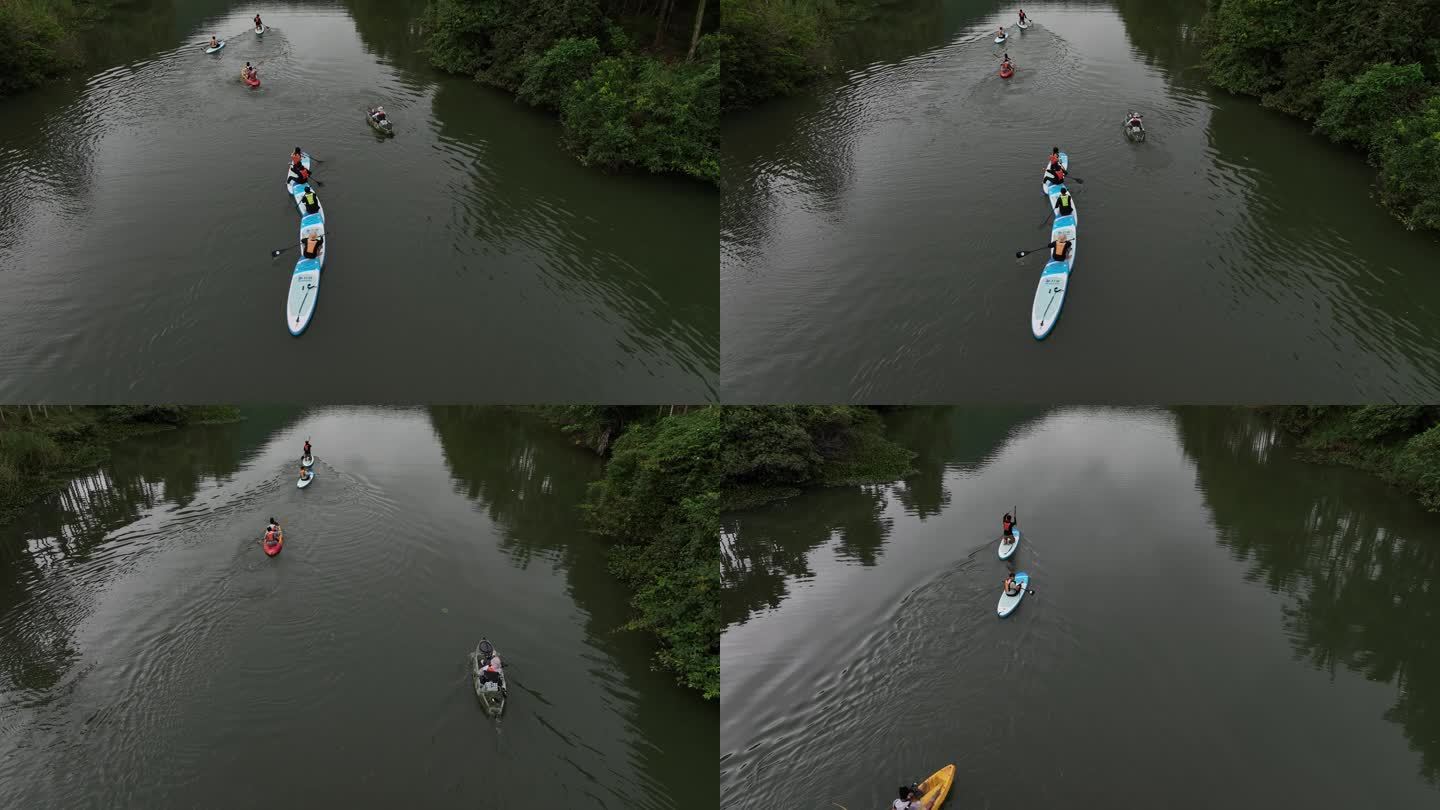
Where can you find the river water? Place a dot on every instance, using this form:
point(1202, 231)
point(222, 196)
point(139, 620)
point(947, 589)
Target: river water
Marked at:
point(868, 228)
point(152, 656)
point(471, 259)
point(1214, 624)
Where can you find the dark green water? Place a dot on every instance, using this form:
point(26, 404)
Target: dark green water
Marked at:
point(152, 656)
point(868, 228)
point(469, 257)
point(1214, 624)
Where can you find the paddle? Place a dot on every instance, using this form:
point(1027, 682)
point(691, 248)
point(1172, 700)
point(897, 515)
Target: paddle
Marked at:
point(275, 253)
point(1020, 254)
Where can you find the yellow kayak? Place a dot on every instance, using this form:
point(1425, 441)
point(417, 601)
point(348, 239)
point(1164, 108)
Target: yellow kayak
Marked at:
point(937, 787)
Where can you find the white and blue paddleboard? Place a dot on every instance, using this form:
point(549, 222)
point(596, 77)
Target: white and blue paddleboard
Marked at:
point(297, 190)
point(1007, 550)
point(1055, 278)
point(215, 49)
point(305, 482)
point(305, 280)
point(999, 40)
point(1008, 603)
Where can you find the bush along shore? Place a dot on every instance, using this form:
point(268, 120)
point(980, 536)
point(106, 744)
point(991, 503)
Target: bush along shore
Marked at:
point(670, 472)
point(636, 83)
point(39, 39)
point(1365, 74)
point(41, 446)
point(771, 49)
point(1398, 443)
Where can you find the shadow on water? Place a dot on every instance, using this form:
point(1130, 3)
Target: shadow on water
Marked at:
point(1361, 565)
point(139, 623)
point(1290, 617)
point(760, 564)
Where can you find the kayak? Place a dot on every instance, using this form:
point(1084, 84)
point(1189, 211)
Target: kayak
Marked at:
point(1008, 603)
point(305, 482)
point(1007, 550)
point(216, 48)
point(255, 82)
point(271, 549)
point(1055, 278)
point(308, 461)
point(1006, 72)
point(305, 281)
point(936, 787)
point(383, 127)
point(492, 695)
point(1133, 133)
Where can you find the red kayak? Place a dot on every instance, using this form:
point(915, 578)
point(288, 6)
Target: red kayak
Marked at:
point(1006, 72)
point(273, 546)
point(255, 82)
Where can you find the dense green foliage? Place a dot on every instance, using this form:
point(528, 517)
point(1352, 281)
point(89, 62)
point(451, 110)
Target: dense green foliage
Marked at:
point(1365, 73)
point(1399, 443)
point(773, 48)
point(41, 446)
point(672, 470)
point(659, 501)
point(771, 452)
point(621, 105)
point(37, 38)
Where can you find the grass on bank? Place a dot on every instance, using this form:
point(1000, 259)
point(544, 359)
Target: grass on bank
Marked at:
point(42, 446)
point(1398, 443)
point(38, 39)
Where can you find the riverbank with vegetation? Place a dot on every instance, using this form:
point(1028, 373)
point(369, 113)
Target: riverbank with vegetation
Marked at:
point(42, 447)
point(1398, 443)
point(671, 470)
point(636, 83)
point(39, 39)
point(772, 49)
point(1365, 74)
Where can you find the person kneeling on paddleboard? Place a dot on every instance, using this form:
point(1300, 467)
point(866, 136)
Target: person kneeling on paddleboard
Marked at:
point(1060, 248)
point(1012, 586)
point(1062, 203)
point(312, 203)
point(214, 43)
point(1056, 175)
point(1000, 32)
point(909, 799)
point(311, 248)
point(304, 473)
